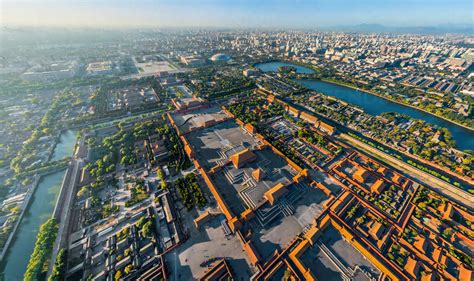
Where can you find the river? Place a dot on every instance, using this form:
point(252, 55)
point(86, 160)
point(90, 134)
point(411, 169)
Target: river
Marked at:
point(40, 209)
point(375, 105)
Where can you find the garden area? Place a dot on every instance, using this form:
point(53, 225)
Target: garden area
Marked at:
point(319, 141)
point(137, 192)
point(38, 264)
point(211, 81)
point(190, 192)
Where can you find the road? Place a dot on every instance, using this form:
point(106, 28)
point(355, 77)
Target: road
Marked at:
point(63, 207)
point(460, 196)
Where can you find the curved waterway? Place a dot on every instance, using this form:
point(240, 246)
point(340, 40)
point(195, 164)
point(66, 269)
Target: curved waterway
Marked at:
point(375, 105)
point(40, 209)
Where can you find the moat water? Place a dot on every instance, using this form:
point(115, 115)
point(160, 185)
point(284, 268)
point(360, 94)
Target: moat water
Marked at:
point(40, 209)
point(375, 105)
point(65, 146)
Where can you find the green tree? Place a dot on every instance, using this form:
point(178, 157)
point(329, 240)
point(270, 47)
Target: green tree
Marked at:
point(128, 269)
point(43, 248)
point(59, 268)
point(147, 229)
point(118, 275)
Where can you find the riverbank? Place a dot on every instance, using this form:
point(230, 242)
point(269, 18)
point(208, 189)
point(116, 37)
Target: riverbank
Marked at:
point(349, 85)
point(451, 176)
point(273, 65)
point(24, 207)
point(40, 206)
point(394, 101)
point(65, 200)
point(375, 106)
point(279, 62)
point(62, 209)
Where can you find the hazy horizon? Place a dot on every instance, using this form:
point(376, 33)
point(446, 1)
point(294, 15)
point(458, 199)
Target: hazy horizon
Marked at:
point(234, 14)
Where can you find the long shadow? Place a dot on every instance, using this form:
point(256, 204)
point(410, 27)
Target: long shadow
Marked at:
point(173, 263)
point(240, 269)
point(348, 255)
point(267, 248)
point(198, 141)
point(183, 272)
point(264, 248)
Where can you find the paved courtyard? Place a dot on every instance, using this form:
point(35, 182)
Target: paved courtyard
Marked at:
point(209, 242)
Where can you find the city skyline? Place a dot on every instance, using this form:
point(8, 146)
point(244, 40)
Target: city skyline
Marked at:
point(236, 14)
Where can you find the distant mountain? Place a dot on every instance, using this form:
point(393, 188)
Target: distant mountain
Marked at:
point(380, 28)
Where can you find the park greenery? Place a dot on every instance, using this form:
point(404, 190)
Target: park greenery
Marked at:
point(286, 69)
point(211, 82)
point(190, 192)
point(417, 165)
point(161, 176)
point(145, 225)
point(147, 229)
point(138, 193)
point(27, 156)
point(120, 148)
point(397, 255)
point(97, 208)
point(405, 95)
point(59, 268)
point(414, 136)
point(41, 169)
point(318, 140)
point(250, 109)
point(41, 254)
point(179, 160)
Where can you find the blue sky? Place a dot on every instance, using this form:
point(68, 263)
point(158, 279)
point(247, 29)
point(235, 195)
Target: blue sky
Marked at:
point(235, 13)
